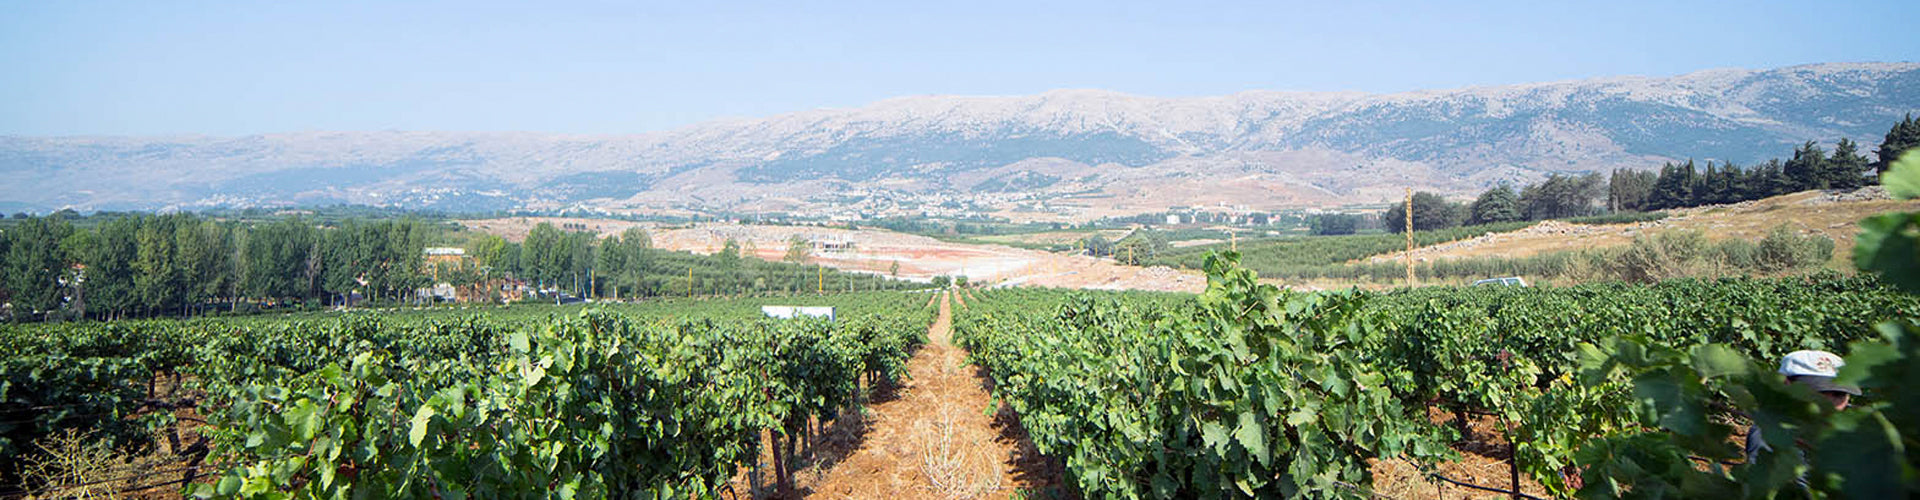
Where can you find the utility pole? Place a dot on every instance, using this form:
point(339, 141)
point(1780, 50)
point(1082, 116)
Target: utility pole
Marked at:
point(820, 280)
point(689, 281)
point(1234, 238)
point(1409, 230)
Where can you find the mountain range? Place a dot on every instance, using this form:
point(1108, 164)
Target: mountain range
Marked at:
point(1066, 154)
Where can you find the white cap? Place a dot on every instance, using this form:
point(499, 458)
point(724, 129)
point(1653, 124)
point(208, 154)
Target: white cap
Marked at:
point(1811, 364)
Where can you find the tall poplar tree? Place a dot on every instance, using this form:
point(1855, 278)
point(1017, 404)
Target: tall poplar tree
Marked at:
point(34, 264)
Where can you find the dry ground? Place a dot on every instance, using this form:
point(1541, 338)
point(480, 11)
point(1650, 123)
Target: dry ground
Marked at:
point(876, 251)
point(1484, 460)
point(928, 438)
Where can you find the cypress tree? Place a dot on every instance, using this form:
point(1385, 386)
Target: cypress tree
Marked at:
point(1705, 189)
point(1499, 204)
point(1903, 137)
point(1674, 187)
point(1847, 169)
point(1729, 182)
point(1628, 190)
point(1808, 168)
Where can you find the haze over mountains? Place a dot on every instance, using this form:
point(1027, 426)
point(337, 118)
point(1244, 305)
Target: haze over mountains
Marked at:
point(1069, 154)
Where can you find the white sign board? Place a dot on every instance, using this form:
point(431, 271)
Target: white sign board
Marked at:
point(817, 312)
point(790, 312)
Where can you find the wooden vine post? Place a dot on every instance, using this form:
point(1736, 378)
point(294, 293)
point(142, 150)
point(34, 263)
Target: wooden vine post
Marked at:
point(1409, 230)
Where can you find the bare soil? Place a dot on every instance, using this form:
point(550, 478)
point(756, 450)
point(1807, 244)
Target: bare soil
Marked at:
point(1485, 456)
point(928, 438)
point(877, 251)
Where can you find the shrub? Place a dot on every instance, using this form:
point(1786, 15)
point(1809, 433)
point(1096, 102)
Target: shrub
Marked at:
point(1656, 257)
point(1782, 250)
point(1740, 254)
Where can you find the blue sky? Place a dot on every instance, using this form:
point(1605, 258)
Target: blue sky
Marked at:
point(232, 68)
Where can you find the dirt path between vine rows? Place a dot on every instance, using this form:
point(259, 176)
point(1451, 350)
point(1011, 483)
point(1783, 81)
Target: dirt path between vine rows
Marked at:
point(932, 438)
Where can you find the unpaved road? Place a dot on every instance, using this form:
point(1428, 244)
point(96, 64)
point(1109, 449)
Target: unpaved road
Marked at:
point(929, 437)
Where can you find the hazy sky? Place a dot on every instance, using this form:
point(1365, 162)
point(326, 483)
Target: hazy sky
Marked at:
point(231, 68)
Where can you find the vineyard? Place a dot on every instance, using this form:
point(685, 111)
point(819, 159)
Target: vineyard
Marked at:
point(1246, 390)
point(655, 400)
point(1250, 390)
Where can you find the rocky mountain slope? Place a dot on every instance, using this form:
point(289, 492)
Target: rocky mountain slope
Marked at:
point(1068, 153)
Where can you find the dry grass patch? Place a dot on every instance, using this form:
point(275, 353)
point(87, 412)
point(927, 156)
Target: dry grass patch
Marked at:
point(957, 460)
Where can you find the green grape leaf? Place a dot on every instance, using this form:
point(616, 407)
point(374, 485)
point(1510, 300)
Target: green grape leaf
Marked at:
point(1676, 397)
point(1253, 437)
point(518, 341)
point(1716, 360)
point(1164, 486)
point(306, 418)
point(229, 484)
point(418, 429)
point(1865, 450)
point(1213, 434)
point(1889, 245)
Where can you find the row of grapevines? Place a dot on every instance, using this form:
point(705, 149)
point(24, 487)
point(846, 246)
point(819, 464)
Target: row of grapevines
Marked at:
point(1243, 392)
point(666, 401)
point(1515, 353)
point(1250, 386)
point(1683, 398)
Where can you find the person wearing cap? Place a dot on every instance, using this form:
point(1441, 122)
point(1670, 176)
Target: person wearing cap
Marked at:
point(1815, 370)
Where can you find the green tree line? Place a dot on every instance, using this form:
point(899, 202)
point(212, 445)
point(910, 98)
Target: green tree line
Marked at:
point(143, 265)
point(626, 265)
point(1680, 185)
point(1674, 185)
